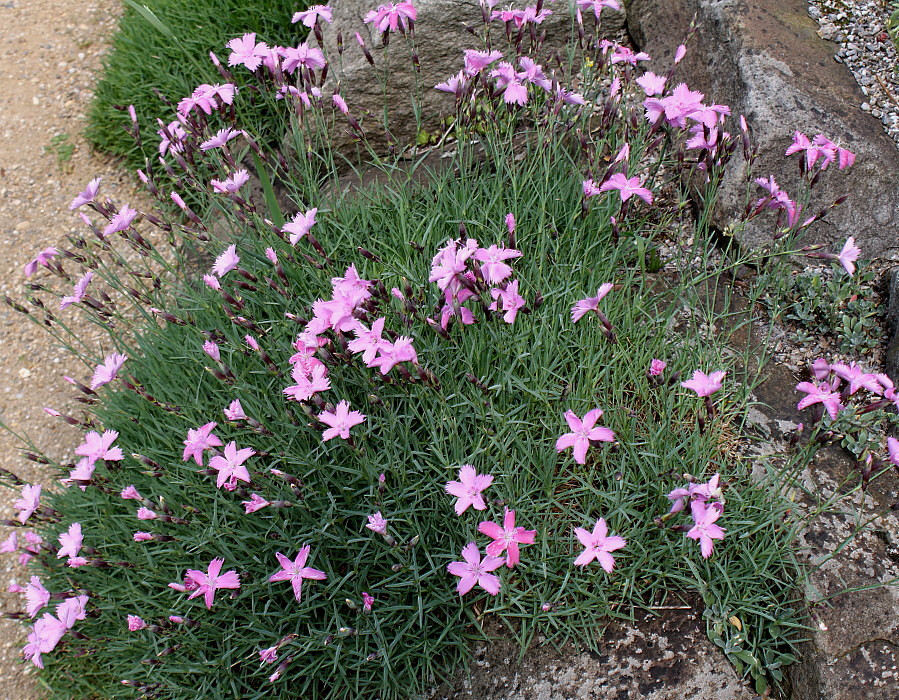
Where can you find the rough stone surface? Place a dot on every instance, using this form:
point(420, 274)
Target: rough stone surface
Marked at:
point(440, 38)
point(765, 59)
point(891, 359)
point(659, 658)
point(853, 652)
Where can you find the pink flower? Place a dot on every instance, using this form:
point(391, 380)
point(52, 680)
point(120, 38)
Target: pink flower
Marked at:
point(893, 450)
point(778, 199)
point(199, 440)
point(679, 54)
point(590, 189)
point(848, 255)
point(511, 300)
point(300, 225)
point(368, 342)
point(622, 54)
point(857, 378)
point(392, 354)
point(392, 17)
point(377, 523)
point(78, 292)
point(704, 528)
point(626, 187)
point(231, 184)
point(36, 596)
point(295, 571)
point(468, 489)
point(477, 61)
point(11, 543)
point(220, 139)
point(211, 348)
point(70, 542)
point(493, 268)
point(455, 85)
point(212, 282)
point(597, 545)
point(308, 385)
point(230, 467)
point(135, 623)
point(108, 371)
point(96, 446)
point(450, 262)
point(351, 287)
point(311, 16)
point(226, 262)
point(656, 367)
point(506, 538)
point(367, 601)
point(820, 393)
point(584, 306)
point(597, 5)
point(208, 583)
point(43, 258)
point(473, 571)
point(71, 610)
point(89, 194)
point(705, 385)
point(146, 514)
point(121, 221)
point(340, 421)
point(204, 98)
point(255, 503)
point(269, 655)
point(340, 103)
point(820, 369)
point(141, 536)
point(234, 411)
point(583, 431)
point(83, 472)
point(29, 502)
point(43, 638)
point(307, 56)
point(651, 83)
point(131, 492)
point(694, 492)
point(245, 51)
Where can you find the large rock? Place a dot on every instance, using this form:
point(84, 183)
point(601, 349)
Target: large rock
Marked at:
point(765, 59)
point(441, 36)
point(661, 656)
point(852, 651)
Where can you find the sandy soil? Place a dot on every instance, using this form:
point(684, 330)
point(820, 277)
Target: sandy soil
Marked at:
point(50, 53)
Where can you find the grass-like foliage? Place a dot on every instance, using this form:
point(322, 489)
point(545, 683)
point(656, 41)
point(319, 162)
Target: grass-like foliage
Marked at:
point(161, 48)
point(337, 427)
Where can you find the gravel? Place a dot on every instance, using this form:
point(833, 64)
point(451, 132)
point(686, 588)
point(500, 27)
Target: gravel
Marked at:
point(859, 27)
point(50, 53)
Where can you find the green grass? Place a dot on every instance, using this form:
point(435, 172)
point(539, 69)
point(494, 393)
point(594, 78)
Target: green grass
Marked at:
point(145, 59)
point(418, 436)
point(62, 149)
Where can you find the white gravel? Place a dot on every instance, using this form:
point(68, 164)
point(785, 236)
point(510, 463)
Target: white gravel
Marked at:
point(859, 27)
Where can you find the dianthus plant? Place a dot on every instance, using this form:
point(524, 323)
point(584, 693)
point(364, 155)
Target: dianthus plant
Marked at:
point(419, 403)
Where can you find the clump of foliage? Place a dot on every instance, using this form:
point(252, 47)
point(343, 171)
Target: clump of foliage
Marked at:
point(291, 467)
point(831, 304)
point(152, 56)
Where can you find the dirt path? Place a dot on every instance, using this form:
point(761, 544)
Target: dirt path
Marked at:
point(50, 52)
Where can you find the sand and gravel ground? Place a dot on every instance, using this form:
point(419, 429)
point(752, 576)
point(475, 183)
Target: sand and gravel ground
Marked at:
point(50, 53)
